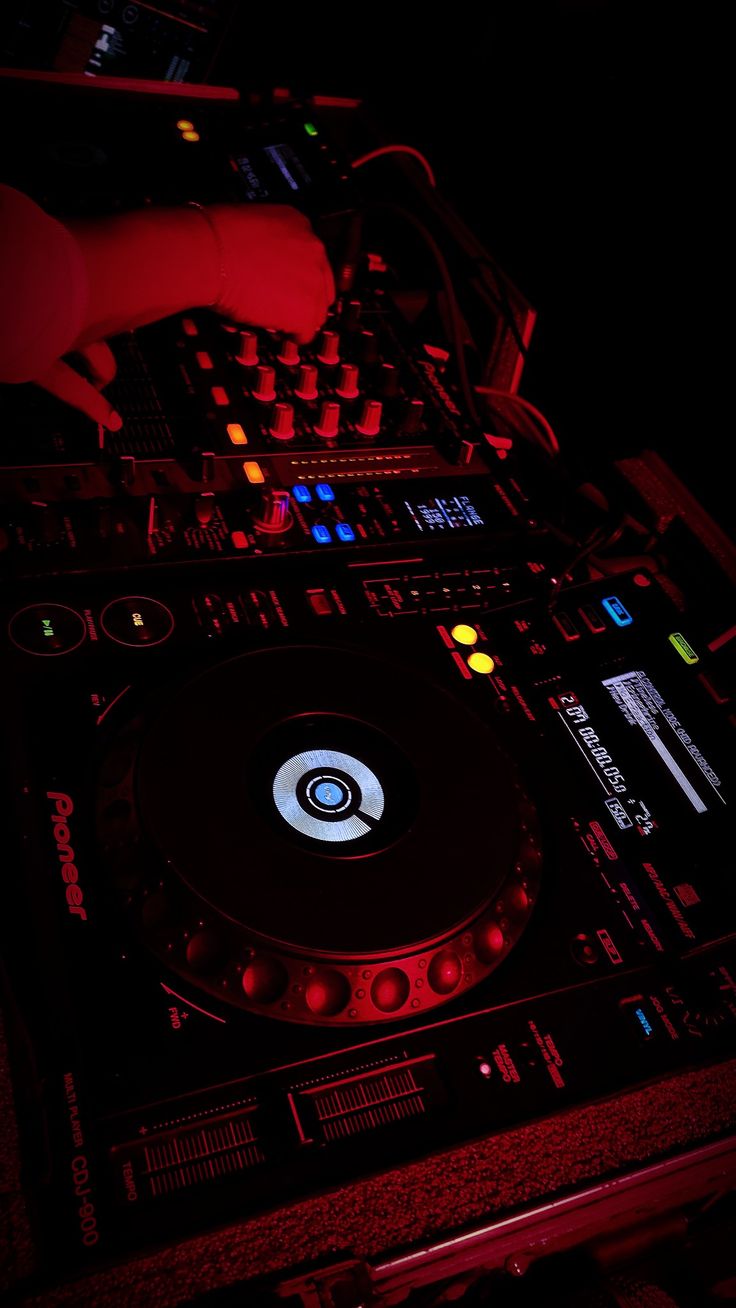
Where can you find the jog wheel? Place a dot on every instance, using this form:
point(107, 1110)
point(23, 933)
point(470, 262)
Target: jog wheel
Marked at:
point(327, 838)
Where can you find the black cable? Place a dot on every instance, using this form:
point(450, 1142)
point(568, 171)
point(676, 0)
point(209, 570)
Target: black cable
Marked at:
point(456, 323)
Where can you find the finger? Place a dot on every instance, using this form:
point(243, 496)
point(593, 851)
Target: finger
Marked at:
point(67, 385)
point(100, 361)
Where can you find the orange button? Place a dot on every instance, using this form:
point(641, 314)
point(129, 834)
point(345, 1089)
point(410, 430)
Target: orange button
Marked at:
point(254, 473)
point(236, 434)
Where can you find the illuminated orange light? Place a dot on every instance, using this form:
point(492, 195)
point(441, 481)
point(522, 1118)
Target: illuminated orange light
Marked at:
point(480, 662)
point(236, 434)
point(190, 136)
point(463, 634)
point(254, 473)
point(184, 125)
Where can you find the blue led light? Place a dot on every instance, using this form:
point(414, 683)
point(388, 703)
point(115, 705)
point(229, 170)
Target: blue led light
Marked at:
point(324, 492)
point(345, 531)
point(646, 1027)
point(321, 534)
point(618, 612)
point(302, 494)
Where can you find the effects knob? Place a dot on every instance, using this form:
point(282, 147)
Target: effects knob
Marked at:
point(306, 383)
point(412, 418)
point(289, 354)
point(389, 380)
point(347, 383)
point(247, 354)
point(282, 422)
point(329, 351)
point(273, 515)
point(265, 387)
point(329, 421)
point(369, 423)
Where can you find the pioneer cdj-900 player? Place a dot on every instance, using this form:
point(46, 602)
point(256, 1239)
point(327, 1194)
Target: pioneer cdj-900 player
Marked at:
point(369, 784)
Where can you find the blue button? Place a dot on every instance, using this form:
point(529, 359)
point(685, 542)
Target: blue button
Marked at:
point(324, 492)
point(321, 534)
point(345, 531)
point(618, 612)
point(302, 494)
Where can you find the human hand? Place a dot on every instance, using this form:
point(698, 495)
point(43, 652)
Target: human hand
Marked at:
point(274, 270)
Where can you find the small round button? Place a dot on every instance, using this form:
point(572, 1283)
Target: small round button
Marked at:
point(137, 621)
point(47, 629)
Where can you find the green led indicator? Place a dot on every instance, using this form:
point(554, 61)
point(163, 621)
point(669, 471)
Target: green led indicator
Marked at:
point(46, 627)
point(310, 129)
point(683, 647)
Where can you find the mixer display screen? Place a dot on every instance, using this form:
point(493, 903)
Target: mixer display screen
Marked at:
point(266, 171)
point(444, 514)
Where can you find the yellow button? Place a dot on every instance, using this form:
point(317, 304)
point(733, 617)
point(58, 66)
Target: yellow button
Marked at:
point(184, 125)
point(254, 473)
point(480, 662)
point(236, 434)
point(463, 634)
point(190, 136)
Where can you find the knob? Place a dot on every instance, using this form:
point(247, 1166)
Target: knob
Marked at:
point(369, 347)
point(412, 418)
point(370, 418)
point(265, 388)
point(282, 422)
point(389, 380)
point(329, 351)
point(274, 515)
point(351, 316)
point(347, 383)
point(204, 508)
point(306, 383)
point(329, 421)
point(289, 353)
point(207, 465)
point(47, 523)
point(247, 353)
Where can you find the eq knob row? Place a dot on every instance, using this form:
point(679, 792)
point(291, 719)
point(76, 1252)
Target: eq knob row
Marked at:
point(327, 426)
point(328, 350)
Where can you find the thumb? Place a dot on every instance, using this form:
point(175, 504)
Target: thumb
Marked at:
point(67, 385)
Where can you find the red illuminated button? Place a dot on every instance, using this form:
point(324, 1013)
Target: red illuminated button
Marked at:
point(220, 396)
point(204, 360)
point(47, 629)
point(592, 618)
point(137, 621)
point(566, 626)
point(190, 327)
point(390, 990)
point(445, 972)
point(320, 602)
point(239, 540)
